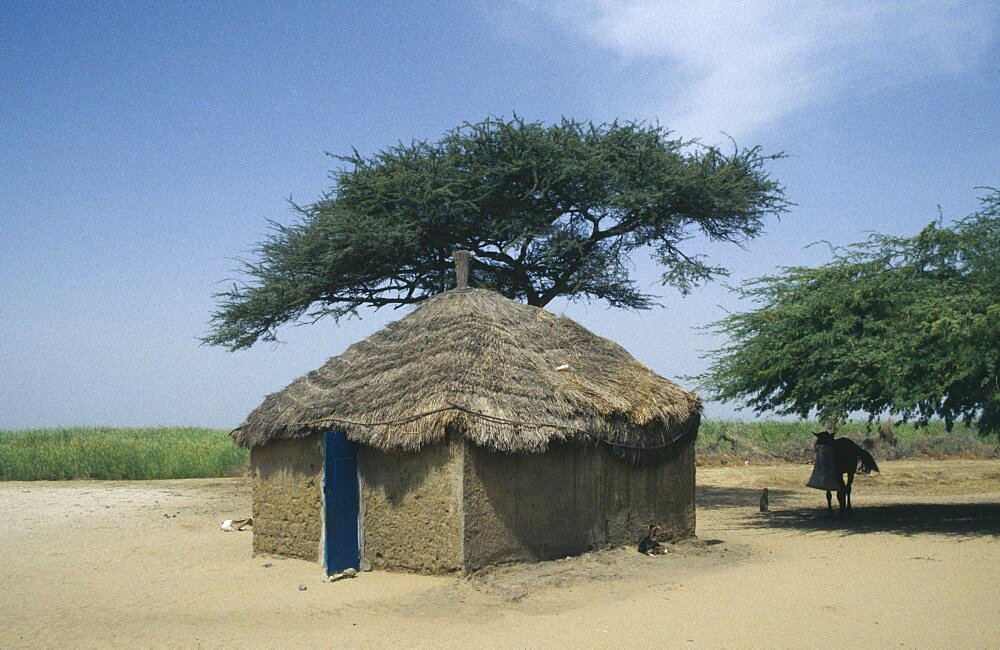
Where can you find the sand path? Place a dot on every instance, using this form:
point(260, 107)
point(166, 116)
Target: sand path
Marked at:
point(99, 564)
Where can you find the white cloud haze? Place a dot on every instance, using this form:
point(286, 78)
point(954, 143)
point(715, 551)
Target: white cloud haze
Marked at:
point(741, 66)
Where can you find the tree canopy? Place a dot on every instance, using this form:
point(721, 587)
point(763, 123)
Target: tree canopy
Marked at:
point(546, 210)
point(905, 326)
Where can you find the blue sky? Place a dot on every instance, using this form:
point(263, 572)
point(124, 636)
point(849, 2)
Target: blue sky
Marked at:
point(144, 146)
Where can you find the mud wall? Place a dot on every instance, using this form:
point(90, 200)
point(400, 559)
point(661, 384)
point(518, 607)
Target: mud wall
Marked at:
point(411, 508)
point(288, 498)
point(569, 500)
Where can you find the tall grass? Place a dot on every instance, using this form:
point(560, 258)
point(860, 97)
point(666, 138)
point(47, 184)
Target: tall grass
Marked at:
point(765, 440)
point(164, 453)
point(117, 454)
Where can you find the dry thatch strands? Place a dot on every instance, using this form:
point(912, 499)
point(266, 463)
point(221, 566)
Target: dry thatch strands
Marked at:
point(505, 375)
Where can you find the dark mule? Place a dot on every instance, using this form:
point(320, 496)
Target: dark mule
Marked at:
point(849, 458)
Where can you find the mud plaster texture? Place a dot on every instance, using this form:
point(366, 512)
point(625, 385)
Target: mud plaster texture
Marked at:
point(411, 508)
point(458, 507)
point(528, 507)
point(288, 498)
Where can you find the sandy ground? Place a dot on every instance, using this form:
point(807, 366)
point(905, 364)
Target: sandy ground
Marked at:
point(131, 564)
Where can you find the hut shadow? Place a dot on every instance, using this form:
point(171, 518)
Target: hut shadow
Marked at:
point(399, 475)
point(907, 519)
point(533, 517)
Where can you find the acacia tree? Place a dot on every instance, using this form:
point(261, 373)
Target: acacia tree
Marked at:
point(903, 326)
point(547, 211)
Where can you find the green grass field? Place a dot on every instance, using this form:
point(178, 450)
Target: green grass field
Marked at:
point(793, 440)
point(114, 453)
point(164, 453)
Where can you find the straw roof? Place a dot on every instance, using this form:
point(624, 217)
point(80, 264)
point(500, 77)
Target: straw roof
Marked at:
point(505, 375)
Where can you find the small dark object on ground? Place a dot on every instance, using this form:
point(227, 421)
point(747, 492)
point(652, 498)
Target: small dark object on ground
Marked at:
point(648, 544)
point(763, 500)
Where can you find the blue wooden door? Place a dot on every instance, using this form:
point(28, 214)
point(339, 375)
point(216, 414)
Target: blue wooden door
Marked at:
point(340, 499)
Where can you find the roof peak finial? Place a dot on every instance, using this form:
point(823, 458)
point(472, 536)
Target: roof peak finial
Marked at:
point(462, 262)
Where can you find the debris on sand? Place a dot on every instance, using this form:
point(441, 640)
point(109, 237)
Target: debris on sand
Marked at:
point(230, 525)
point(346, 573)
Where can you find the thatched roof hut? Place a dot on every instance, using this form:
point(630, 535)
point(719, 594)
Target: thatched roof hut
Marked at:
point(475, 430)
point(507, 376)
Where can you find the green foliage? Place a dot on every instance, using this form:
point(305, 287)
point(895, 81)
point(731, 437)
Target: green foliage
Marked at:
point(902, 326)
point(767, 441)
point(117, 454)
point(547, 211)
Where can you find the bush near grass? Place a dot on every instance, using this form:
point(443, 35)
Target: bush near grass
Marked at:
point(164, 453)
point(118, 454)
point(722, 442)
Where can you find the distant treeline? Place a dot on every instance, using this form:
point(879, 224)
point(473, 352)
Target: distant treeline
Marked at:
point(118, 454)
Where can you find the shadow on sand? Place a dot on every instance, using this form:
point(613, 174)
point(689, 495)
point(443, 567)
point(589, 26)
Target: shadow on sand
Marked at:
point(955, 519)
point(709, 497)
